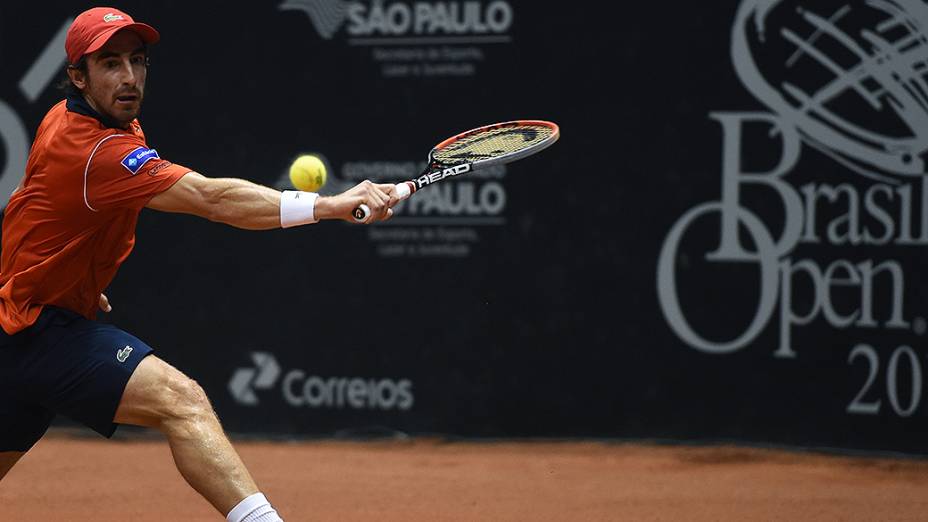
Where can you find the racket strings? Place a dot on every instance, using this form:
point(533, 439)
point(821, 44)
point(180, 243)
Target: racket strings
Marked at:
point(492, 143)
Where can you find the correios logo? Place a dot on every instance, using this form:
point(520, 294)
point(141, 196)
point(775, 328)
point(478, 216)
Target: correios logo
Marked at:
point(846, 78)
point(263, 376)
point(379, 18)
point(302, 389)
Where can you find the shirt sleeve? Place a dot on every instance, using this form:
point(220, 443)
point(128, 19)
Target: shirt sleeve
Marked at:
point(124, 172)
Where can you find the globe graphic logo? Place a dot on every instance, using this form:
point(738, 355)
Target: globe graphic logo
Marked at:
point(850, 75)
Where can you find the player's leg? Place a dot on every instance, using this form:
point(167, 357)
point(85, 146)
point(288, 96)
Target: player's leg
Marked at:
point(161, 397)
point(7, 460)
point(23, 421)
point(101, 376)
point(22, 424)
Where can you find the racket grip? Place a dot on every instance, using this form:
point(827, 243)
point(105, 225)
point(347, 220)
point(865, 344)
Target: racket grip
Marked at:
point(362, 212)
point(403, 190)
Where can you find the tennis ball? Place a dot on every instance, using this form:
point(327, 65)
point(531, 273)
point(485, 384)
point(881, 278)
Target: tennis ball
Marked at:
point(307, 173)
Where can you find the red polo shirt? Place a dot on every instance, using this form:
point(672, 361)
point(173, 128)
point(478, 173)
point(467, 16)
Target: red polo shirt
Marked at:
point(71, 222)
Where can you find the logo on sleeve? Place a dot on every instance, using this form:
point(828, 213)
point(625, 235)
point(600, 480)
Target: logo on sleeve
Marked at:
point(135, 159)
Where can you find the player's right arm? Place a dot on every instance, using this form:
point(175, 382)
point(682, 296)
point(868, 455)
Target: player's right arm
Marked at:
point(243, 204)
point(123, 172)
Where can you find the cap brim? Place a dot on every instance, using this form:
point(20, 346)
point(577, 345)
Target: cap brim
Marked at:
point(147, 33)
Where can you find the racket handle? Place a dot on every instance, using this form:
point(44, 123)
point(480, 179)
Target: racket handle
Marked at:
point(362, 212)
point(403, 190)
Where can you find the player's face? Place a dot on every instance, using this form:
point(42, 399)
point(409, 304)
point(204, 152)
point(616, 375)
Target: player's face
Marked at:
point(115, 79)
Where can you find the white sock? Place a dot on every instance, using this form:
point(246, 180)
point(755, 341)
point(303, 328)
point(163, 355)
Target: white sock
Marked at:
point(254, 508)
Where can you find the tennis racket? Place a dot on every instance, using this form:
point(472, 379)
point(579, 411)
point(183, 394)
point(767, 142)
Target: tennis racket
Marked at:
point(477, 149)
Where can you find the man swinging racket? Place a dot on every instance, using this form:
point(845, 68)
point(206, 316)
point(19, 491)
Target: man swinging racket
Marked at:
point(70, 224)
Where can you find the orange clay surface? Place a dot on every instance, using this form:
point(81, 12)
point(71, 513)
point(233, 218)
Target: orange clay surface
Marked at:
point(76, 479)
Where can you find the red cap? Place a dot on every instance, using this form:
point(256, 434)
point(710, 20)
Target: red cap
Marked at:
point(94, 27)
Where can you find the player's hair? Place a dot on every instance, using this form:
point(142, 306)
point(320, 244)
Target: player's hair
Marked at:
point(67, 86)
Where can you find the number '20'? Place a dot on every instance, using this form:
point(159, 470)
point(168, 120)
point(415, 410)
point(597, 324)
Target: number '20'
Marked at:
point(903, 406)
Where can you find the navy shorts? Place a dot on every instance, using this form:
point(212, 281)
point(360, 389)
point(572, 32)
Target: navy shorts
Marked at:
point(63, 364)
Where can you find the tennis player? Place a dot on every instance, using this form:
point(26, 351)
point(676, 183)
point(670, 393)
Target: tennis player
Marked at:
point(70, 224)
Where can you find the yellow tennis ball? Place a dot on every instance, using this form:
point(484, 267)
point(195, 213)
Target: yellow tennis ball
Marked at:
point(307, 173)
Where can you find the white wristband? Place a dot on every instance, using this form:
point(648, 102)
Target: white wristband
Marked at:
point(297, 208)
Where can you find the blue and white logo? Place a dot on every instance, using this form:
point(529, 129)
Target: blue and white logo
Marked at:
point(138, 157)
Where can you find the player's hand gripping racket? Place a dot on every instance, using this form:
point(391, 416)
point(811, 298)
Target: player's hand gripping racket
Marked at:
point(477, 149)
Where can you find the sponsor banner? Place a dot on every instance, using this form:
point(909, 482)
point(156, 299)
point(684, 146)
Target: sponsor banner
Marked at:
point(414, 39)
point(298, 388)
point(448, 220)
point(827, 249)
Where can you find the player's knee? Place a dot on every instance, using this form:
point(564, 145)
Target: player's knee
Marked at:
point(187, 403)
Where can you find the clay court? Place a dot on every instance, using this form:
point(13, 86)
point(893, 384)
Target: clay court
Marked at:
point(70, 478)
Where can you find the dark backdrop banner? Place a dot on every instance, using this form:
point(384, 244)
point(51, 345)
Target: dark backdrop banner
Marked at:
point(727, 243)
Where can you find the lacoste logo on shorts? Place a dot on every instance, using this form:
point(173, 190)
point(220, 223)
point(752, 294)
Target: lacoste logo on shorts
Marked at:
point(122, 355)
